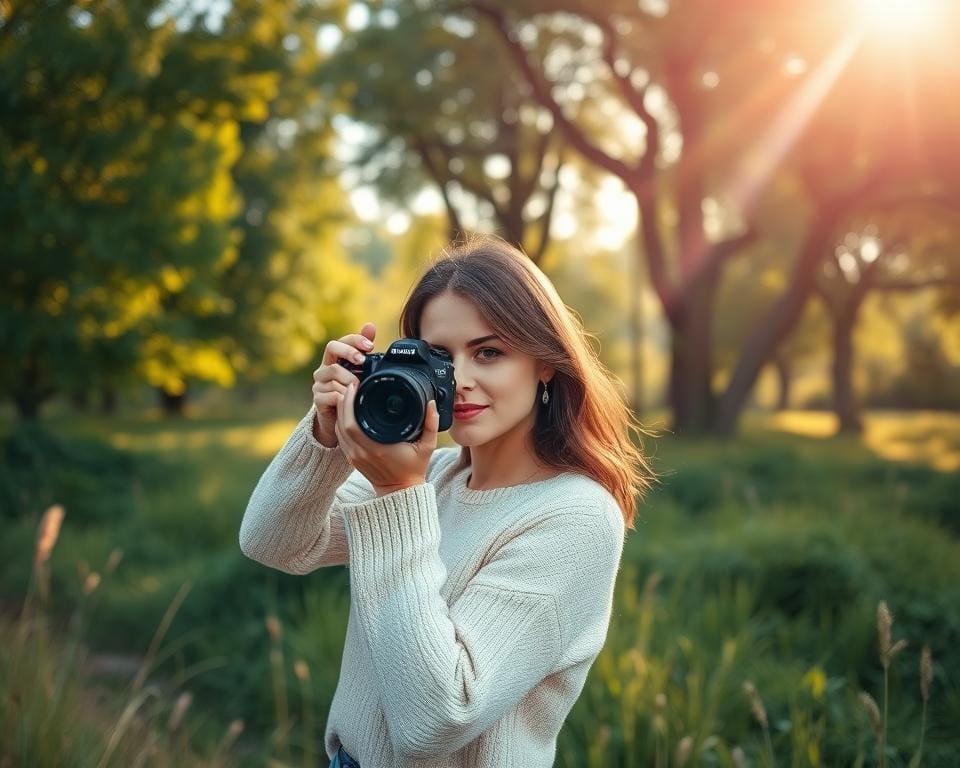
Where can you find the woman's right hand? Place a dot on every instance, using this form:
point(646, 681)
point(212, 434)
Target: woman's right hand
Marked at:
point(330, 380)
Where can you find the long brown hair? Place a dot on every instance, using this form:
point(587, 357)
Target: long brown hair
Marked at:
point(587, 426)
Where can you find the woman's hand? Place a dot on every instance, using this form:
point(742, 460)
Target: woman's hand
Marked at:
point(388, 467)
point(330, 380)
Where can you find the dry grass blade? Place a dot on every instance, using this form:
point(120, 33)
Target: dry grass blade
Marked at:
point(158, 636)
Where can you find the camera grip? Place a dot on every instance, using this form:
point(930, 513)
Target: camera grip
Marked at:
point(354, 368)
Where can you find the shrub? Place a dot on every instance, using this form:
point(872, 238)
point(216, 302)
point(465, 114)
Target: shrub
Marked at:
point(38, 468)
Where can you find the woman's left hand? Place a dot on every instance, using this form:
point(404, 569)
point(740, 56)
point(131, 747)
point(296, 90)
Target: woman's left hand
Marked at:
point(388, 467)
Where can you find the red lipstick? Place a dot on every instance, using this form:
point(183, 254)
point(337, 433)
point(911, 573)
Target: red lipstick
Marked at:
point(465, 412)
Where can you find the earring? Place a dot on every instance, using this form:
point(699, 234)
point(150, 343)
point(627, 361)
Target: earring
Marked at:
point(545, 397)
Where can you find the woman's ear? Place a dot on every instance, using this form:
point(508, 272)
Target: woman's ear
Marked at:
point(546, 373)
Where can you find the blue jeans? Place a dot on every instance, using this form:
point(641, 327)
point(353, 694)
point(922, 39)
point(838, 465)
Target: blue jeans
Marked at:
point(343, 760)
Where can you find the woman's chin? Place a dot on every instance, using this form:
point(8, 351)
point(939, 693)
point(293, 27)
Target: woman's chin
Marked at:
point(463, 437)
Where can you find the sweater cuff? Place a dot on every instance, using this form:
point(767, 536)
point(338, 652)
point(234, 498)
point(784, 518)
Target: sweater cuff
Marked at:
point(391, 534)
point(334, 460)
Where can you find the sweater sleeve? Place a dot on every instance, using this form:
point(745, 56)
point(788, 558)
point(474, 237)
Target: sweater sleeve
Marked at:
point(541, 603)
point(293, 521)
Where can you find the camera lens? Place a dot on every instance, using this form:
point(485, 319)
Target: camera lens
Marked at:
point(392, 404)
point(395, 407)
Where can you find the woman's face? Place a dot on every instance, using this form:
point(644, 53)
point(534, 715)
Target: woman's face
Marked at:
point(489, 373)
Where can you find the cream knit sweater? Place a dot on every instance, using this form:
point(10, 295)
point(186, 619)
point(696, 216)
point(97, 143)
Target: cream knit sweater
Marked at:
point(474, 615)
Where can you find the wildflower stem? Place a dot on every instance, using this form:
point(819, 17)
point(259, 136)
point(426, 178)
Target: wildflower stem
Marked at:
point(923, 725)
point(766, 734)
point(883, 730)
point(158, 636)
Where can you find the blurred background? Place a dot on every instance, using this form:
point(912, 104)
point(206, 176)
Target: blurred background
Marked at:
point(753, 206)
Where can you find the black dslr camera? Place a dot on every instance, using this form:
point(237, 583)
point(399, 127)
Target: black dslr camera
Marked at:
point(396, 386)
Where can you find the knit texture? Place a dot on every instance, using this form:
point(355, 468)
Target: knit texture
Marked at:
point(474, 615)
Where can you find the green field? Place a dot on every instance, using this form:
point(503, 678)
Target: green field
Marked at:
point(761, 560)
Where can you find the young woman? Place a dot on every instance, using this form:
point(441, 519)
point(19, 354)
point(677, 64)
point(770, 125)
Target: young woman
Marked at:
point(481, 577)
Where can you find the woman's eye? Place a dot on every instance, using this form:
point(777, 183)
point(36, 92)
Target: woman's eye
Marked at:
point(496, 353)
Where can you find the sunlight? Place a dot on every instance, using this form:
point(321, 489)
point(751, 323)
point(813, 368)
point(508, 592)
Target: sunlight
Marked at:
point(783, 132)
point(903, 19)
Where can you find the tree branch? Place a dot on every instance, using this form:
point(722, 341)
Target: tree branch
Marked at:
point(526, 185)
point(730, 247)
point(541, 90)
point(547, 216)
point(634, 98)
point(441, 182)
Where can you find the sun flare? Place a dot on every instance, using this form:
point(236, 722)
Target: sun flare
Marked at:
point(903, 18)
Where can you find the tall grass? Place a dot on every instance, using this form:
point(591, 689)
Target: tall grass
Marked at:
point(759, 562)
point(658, 697)
point(53, 715)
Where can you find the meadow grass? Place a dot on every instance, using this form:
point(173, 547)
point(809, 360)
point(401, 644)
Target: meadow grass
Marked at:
point(750, 586)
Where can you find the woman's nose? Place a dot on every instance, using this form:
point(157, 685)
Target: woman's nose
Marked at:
point(464, 376)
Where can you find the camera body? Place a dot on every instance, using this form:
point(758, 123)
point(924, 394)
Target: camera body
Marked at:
point(396, 386)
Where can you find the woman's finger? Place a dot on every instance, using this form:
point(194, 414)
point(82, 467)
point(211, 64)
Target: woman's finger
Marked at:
point(369, 332)
point(326, 400)
point(334, 373)
point(348, 444)
point(349, 398)
point(337, 349)
point(345, 412)
point(329, 386)
point(431, 427)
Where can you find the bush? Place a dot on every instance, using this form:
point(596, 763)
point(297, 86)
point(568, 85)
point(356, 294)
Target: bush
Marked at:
point(95, 482)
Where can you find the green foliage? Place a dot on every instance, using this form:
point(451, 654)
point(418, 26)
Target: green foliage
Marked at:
point(39, 468)
point(928, 378)
point(159, 227)
point(769, 573)
point(794, 473)
point(119, 196)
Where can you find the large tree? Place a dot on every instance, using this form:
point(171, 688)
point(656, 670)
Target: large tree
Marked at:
point(116, 197)
point(715, 111)
point(165, 212)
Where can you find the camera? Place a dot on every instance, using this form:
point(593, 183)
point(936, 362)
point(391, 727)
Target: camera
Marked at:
point(396, 386)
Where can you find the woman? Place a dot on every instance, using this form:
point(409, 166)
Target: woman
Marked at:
point(481, 578)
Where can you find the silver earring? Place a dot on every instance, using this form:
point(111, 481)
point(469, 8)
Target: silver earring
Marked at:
point(545, 397)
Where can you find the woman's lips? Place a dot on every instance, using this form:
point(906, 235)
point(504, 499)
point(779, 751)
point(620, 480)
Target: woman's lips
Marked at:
point(467, 413)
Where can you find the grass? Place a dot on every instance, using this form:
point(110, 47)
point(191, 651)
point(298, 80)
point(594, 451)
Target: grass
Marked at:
point(761, 561)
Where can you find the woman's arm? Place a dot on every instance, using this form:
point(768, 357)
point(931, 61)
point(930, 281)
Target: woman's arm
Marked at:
point(448, 672)
point(293, 521)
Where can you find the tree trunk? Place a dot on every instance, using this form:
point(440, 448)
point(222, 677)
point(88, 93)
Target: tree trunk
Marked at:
point(173, 405)
point(80, 399)
point(31, 392)
point(691, 364)
point(844, 398)
point(28, 407)
point(636, 335)
point(777, 324)
point(843, 315)
point(108, 400)
point(784, 381)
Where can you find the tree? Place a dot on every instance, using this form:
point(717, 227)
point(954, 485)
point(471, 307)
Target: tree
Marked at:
point(909, 252)
point(292, 284)
point(161, 227)
point(449, 112)
point(752, 283)
point(684, 67)
point(116, 199)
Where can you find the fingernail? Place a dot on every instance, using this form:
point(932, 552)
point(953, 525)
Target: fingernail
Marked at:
point(366, 344)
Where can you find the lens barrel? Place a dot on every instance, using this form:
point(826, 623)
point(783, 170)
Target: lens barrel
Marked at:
point(391, 404)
